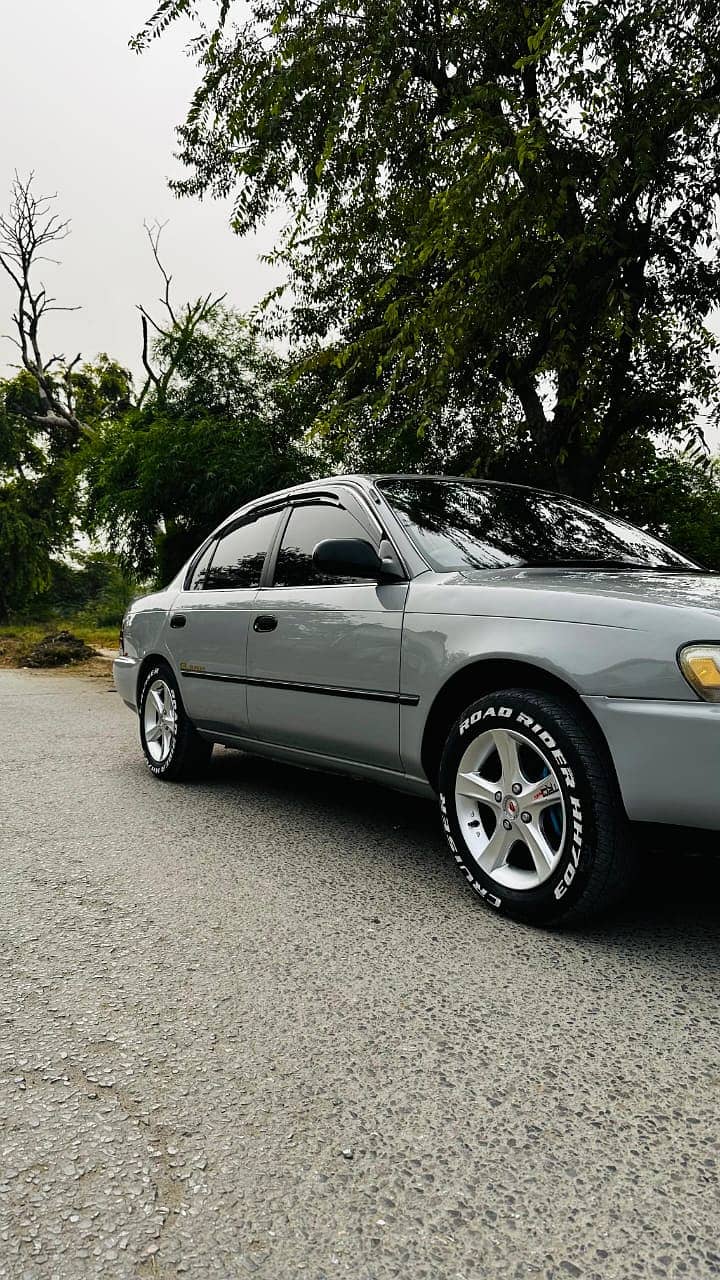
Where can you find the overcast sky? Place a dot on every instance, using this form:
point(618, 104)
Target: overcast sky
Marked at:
point(96, 122)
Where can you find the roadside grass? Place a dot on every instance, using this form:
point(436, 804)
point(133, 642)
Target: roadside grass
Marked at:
point(31, 633)
point(18, 638)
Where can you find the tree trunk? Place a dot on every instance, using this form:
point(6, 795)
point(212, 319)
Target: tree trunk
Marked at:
point(577, 476)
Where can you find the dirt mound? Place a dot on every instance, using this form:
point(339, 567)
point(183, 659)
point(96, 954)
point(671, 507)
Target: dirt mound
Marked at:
point(61, 650)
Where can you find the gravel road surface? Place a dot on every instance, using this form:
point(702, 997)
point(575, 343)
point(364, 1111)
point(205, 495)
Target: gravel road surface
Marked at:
point(257, 1027)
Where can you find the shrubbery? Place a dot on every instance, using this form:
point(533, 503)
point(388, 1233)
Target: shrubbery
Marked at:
point(95, 591)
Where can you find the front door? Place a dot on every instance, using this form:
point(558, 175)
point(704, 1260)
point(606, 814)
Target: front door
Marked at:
point(208, 625)
point(323, 662)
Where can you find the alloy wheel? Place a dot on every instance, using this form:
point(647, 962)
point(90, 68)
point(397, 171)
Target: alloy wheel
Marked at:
point(160, 721)
point(511, 809)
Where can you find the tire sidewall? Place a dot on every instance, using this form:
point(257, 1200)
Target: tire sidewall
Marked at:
point(534, 721)
point(160, 671)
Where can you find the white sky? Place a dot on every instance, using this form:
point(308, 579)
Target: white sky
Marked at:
point(96, 123)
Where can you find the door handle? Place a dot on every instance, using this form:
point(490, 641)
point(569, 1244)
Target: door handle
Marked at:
point(265, 622)
point(178, 620)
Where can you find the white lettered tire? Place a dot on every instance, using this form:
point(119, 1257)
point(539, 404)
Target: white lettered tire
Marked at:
point(174, 751)
point(531, 808)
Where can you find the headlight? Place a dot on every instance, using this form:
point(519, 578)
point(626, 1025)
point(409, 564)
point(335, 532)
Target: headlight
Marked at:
point(700, 665)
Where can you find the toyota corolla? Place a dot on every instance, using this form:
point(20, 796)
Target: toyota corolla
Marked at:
point(551, 673)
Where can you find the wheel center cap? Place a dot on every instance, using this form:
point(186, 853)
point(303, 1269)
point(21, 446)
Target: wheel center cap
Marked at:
point(510, 808)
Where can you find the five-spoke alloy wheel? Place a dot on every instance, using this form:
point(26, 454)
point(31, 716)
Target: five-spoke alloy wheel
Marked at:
point(174, 750)
point(531, 808)
point(511, 808)
point(160, 720)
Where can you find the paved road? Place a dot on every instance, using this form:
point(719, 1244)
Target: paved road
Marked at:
point(258, 1028)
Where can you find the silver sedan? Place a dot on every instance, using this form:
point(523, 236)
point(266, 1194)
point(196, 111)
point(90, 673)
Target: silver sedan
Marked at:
point(550, 672)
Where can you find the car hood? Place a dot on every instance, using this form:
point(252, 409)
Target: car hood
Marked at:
point(610, 596)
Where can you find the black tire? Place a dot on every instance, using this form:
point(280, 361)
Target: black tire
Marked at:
point(189, 754)
point(594, 853)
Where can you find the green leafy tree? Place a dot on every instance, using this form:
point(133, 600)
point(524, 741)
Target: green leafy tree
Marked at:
point(216, 423)
point(34, 497)
point(39, 474)
point(100, 390)
point(45, 410)
point(226, 427)
point(671, 496)
point(502, 231)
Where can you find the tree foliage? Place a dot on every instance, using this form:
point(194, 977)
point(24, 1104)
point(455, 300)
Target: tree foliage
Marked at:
point(227, 428)
point(34, 496)
point(91, 588)
point(502, 230)
point(214, 423)
point(39, 472)
point(668, 494)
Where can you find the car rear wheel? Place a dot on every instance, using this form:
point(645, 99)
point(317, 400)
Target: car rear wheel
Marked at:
point(531, 809)
point(173, 748)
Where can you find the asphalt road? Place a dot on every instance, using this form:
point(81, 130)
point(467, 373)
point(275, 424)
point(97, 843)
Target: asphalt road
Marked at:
point(258, 1028)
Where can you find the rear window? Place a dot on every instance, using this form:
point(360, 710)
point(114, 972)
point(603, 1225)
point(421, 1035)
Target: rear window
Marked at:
point(240, 555)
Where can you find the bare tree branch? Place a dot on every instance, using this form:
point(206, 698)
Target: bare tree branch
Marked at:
point(172, 342)
point(154, 232)
point(163, 332)
point(152, 376)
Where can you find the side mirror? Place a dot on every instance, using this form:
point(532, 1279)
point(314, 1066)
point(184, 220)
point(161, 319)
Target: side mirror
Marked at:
point(353, 558)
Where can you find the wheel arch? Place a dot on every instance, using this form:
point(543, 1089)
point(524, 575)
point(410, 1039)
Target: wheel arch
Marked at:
point(143, 669)
point(485, 676)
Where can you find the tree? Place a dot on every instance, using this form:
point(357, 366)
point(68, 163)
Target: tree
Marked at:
point(176, 335)
point(500, 212)
point(215, 424)
point(672, 497)
point(45, 410)
point(34, 498)
point(39, 473)
point(26, 232)
point(226, 427)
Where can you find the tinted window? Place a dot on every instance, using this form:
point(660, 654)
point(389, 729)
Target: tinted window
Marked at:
point(460, 525)
point(197, 582)
point(308, 526)
point(240, 555)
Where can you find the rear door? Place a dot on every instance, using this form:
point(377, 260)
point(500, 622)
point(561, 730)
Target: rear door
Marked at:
point(208, 625)
point(324, 653)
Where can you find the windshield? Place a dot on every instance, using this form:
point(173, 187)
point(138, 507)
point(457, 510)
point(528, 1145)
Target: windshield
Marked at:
point(464, 524)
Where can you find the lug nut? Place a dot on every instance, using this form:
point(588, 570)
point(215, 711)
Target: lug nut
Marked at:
point(507, 824)
point(516, 788)
point(525, 816)
point(498, 796)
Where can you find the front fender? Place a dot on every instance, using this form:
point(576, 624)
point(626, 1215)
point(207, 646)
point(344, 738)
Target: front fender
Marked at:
point(589, 658)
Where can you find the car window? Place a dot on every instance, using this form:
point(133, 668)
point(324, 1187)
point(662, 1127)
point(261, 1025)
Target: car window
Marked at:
point(240, 555)
point(307, 526)
point(199, 573)
point(461, 525)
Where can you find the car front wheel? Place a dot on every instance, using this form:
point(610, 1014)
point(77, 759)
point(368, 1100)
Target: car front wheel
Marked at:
point(174, 750)
point(531, 809)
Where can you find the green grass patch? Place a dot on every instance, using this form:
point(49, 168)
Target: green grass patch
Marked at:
point(31, 633)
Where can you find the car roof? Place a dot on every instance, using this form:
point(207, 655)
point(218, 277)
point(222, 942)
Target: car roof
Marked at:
point(366, 479)
point(369, 478)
